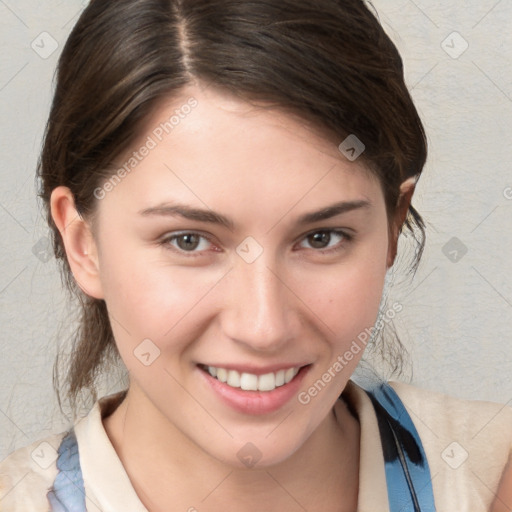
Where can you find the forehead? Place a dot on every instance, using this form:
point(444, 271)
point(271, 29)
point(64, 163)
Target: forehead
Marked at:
point(206, 144)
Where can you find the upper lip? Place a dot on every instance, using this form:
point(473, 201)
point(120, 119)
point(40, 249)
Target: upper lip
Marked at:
point(257, 370)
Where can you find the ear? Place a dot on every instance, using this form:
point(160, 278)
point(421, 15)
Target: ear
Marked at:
point(79, 243)
point(404, 201)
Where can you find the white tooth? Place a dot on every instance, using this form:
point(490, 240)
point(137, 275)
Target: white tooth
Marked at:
point(279, 378)
point(233, 379)
point(212, 370)
point(289, 374)
point(295, 371)
point(267, 382)
point(222, 374)
point(249, 382)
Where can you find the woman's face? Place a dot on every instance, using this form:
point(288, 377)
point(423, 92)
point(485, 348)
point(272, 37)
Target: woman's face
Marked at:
point(240, 240)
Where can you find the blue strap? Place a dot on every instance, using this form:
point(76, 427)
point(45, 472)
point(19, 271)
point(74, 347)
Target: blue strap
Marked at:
point(407, 472)
point(67, 493)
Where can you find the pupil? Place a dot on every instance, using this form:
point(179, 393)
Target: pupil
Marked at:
point(188, 242)
point(320, 239)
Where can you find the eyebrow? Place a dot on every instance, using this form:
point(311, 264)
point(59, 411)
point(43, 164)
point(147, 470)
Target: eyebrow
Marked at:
point(197, 214)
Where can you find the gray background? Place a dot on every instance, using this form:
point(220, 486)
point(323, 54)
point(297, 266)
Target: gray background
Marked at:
point(457, 316)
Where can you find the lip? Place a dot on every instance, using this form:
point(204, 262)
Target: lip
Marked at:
point(254, 402)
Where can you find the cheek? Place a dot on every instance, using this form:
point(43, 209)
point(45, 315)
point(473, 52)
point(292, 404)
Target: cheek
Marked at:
point(350, 303)
point(346, 297)
point(149, 299)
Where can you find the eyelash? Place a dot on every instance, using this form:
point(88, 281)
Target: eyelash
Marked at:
point(166, 242)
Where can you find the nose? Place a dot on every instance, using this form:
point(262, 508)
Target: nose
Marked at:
point(258, 312)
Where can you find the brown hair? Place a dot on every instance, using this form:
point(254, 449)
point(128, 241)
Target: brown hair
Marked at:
point(327, 61)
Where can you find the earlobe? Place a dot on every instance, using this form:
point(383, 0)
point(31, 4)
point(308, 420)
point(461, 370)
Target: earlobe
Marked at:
point(404, 201)
point(79, 243)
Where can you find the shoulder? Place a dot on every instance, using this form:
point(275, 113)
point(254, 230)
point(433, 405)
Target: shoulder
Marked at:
point(27, 474)
point(445, 413)
point(467, 443)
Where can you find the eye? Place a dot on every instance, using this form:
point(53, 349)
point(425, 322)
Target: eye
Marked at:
point(186, 242)
point(322, 240)
point(193, 243)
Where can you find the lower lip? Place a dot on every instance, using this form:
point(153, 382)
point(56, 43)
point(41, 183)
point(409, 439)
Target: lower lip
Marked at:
point(255, 402)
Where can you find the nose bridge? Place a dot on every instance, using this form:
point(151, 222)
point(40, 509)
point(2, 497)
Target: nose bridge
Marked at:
point(259, 312)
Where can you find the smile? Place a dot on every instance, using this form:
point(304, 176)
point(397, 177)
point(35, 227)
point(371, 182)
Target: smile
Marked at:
point(253, 390)
point(252, 382)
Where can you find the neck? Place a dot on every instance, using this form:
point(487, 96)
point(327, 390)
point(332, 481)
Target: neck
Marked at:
point(165, 467)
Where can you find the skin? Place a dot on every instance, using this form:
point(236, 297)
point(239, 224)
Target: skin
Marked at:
point(295, 303)
point(503, 499)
